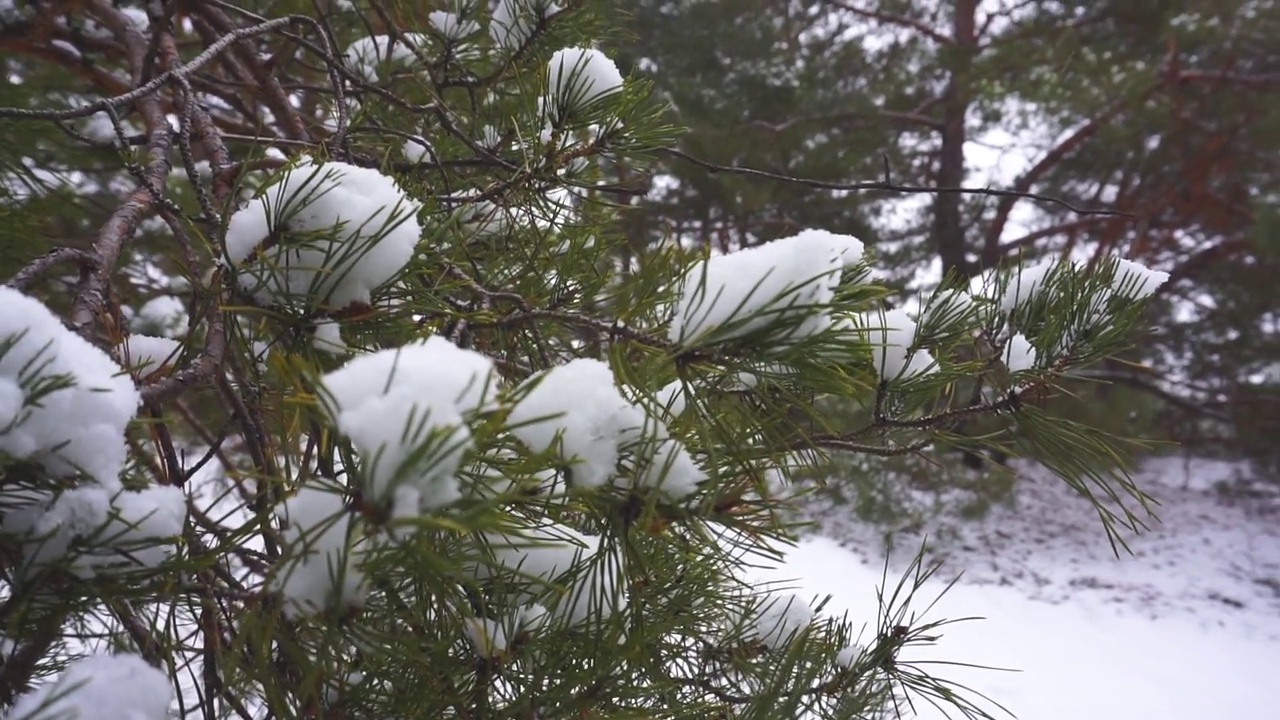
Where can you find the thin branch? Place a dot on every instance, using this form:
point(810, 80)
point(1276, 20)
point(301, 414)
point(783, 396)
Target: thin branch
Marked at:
point(156, 83)
point(44, 263)
point(886, 186)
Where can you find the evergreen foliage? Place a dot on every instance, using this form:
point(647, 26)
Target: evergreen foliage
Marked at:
point(359, 504)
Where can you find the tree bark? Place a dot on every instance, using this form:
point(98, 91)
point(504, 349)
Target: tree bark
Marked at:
point(948, 232)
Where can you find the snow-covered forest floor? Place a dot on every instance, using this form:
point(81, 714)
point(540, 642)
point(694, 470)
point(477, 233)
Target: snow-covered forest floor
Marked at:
point(1187, 626)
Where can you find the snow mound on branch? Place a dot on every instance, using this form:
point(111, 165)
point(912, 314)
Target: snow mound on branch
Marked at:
point(579, 77)
point(576, 410)
point(328, 232)
point(147, 354)
point(514, 21)
point(1135, 281)
point(1130, 280)
point(366, 55)
point(1027, 283)
point(892, 336)
point(108, 530)
point(163, 315)
point(451, 26)
point(100, 687)
point(62, 426)
point(1019, 355)
point(947, 310)
point(780, 619)
point(404, 410)
point(589, 578)
point(417, 150)
point(318, 571)
point(779, 287)
point(488, 637)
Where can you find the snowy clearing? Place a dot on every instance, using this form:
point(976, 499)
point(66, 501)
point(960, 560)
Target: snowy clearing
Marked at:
point(1186, 627)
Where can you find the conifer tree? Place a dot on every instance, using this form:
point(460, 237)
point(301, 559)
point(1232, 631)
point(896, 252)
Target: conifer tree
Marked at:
point(331, 385)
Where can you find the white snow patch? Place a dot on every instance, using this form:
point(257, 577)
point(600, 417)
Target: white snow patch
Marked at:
point(580, 77)
point(892, 336)
point(587, 582)
point(366, 55)
point(163, 315)
point(147, 354)
point(100, 687)
point(514, 21)
point(318, 571)
point(578, 411)
point(404, 409)
point(780, 619)
point(77, 427)
point(331, 233)
point(780, 286)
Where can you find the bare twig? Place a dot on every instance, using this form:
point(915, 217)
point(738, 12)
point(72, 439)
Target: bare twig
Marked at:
point(885, 186)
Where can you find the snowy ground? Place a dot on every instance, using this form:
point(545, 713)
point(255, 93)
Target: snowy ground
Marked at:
point(1188, 626)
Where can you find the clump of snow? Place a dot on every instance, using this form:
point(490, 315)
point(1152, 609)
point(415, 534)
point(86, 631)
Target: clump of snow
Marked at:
point(147, 354)
point(1019, 355)
point(892, 336)
point(451, 26)
point(587, 581)
point(580, 77)
point(487, 636)
point(514, 21)
point(1135, 281)
point(64, 426)
point(100, 687)
point(1027, 283)
point(417, 150)
point(328, 232)
point(366, 55)
point(137, 16)
point(98, 127)
point(163, 315)
point(110, 530)
point(780, 286)
point(576, 410)
point(327, 337)
point(849, 656)
point(318, 572)
point(947, 310)
point(404, 410)
point(673, 397)
point(780, 618)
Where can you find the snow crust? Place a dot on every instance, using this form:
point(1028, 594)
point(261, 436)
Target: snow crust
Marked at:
point(100, 687)
point(319, 571)
point(328, 232)
point(780, 286)
point(77, 427)
point(404, 409)
point(580, 77)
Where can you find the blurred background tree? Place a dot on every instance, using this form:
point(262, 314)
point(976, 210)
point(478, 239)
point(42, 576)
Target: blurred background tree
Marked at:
point(1166, 111)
